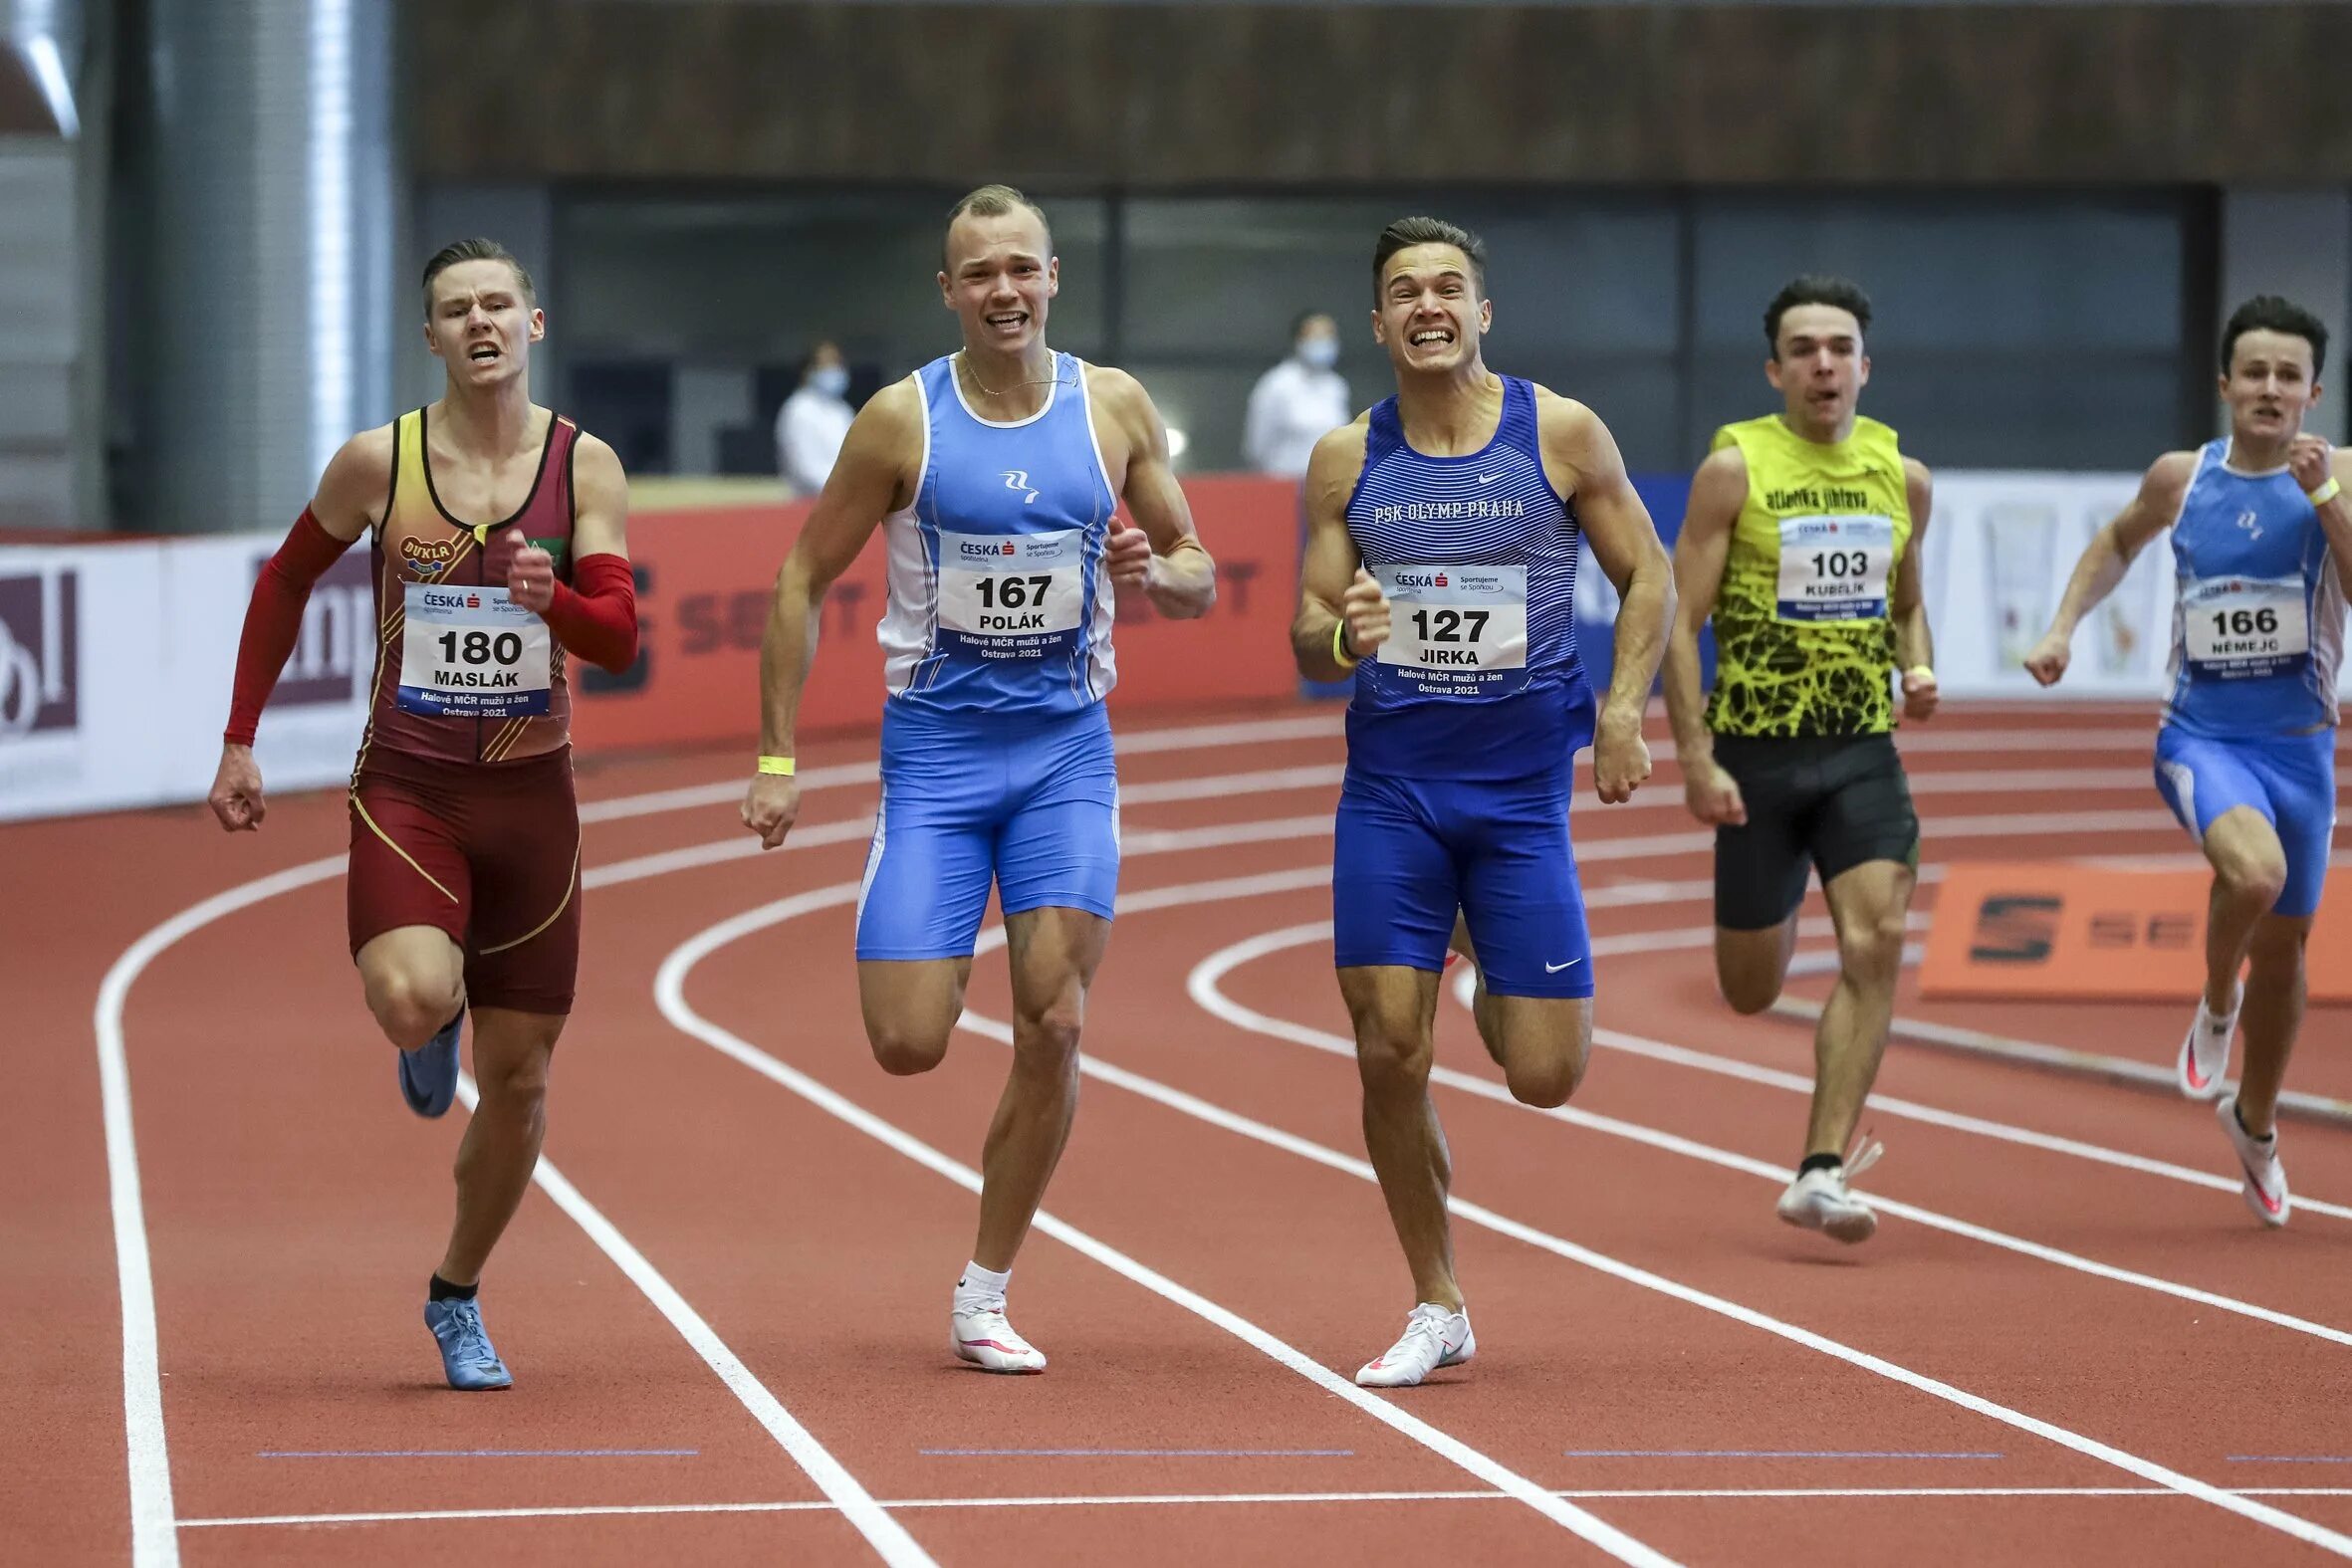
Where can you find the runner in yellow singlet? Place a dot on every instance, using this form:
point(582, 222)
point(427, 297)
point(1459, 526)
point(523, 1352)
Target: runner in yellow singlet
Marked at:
point(1801, 542)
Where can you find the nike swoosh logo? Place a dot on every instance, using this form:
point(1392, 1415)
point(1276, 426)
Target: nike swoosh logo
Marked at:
point(1553, 969)
point(1488, 479)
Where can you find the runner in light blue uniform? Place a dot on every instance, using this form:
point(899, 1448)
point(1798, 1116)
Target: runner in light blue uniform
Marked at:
point(996, 751)
point(2262, 556)
point(1441, 560)
point(993, 475)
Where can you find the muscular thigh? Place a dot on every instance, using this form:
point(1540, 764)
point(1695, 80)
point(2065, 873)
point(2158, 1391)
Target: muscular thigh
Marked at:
point(1865, 812)
point(1394, 889)
point(928, 869)
point(1520, 894)
point(2298, 775)
point(408, 867)
point(1059, 844)
point(522, 839)
point(1761, 864)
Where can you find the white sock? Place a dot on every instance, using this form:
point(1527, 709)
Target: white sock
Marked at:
point(980, 1284)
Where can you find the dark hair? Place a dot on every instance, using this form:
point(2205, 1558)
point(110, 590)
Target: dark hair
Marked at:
point(991, 202)
point(1815, 289)
point(449, 256)
point(2267, 313)
point(1299, 322)
point(1406, 232)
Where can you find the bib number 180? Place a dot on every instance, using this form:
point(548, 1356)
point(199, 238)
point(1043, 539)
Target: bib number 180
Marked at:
point(480, 647)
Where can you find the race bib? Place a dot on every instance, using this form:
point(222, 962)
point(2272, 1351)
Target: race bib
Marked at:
point(2239, 627)
point(1836, 569)
point(472, 654)
point(1011, 596)
point(1457, 630)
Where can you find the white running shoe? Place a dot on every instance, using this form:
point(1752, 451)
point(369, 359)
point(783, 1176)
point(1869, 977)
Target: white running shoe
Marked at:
point(1820, 1199)
point(2204, 1049)
point(2266, 1177)
point(1434, 1338)
point(978, 1332)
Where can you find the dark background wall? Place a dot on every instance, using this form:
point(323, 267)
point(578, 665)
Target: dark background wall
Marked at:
point(1185, 95)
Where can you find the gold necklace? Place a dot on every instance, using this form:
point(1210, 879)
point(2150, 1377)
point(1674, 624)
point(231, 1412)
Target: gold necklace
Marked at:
point(964, 364)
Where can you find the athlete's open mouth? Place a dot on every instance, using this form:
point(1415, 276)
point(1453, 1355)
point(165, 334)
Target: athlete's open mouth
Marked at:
point(483, 353)
point(1008, 320)
point(1431, 338)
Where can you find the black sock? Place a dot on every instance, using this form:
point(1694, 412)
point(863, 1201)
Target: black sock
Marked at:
point(1821, 1161)
point(443, 1290)
point(2238, 1111)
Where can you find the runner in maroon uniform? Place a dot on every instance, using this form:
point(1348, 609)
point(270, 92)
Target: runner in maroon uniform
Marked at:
point(500, 548)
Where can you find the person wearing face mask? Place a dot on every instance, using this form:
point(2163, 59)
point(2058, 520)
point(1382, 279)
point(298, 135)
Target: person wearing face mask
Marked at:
point(813, 421)
point(1297, 402)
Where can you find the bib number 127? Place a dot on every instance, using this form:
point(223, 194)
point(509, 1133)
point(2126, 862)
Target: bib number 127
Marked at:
point(1451, 625)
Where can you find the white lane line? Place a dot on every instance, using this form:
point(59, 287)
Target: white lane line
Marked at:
point(147, 1455)
point(887, 1535)
point(154, 1543)
point(1204, 986)
point(670, 993)
point(1241, 1499)
point(1464, 984)
point(670, 990)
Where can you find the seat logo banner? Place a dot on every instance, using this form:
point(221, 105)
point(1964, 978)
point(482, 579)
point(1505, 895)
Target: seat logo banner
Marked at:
point(2058, 932)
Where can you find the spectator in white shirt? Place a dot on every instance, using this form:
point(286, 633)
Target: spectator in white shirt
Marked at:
point(1298, 402)
point(813, 421)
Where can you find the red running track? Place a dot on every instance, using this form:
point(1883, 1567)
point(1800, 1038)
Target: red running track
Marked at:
point(2069, 1342)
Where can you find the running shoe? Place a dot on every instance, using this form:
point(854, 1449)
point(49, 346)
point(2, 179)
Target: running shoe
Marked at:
point(2265, 1178)
point(428, 1074)
point(466, 1357)
point(1433, 1338)
point(1820, 1199)
point(978, 1333)
point(2204, 1050)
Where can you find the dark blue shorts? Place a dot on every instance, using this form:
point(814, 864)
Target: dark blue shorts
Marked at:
point(1031, 805)
point(1411, 851)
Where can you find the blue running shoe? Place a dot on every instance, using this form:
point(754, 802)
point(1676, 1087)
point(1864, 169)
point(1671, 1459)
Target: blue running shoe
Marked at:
point(428, 1074)
point(466, 1357)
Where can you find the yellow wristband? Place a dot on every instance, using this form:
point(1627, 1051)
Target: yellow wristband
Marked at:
point(1347, 660)
point(777, 765)
point(2325, 493)
point(1925, 671)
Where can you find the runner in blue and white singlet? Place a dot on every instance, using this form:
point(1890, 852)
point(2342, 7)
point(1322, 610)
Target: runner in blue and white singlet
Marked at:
point(995, 474)
point(1443, 530)
point(2261, 552)
point(998, 644)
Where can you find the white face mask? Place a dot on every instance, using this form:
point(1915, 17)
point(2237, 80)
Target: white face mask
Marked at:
point(830, 379)
point(1319, 354)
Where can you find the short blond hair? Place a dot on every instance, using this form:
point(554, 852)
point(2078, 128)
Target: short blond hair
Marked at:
point(991, 202)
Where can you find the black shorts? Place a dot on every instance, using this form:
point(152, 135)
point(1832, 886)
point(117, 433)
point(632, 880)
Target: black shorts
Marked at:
point(1825, 801)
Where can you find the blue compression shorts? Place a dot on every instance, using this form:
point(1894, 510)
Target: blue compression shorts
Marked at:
point(2289, 778)
point(1032, 805)
point(1410, 851)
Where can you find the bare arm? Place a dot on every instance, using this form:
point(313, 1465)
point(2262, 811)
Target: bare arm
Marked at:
point(1170, 564)
point(1581, 460)
point(1718, 491)
point(600, 495)
point(865, 486)
point(2335, 514)
point(2109, 556)
point(1332, 567)
point(1915, 644)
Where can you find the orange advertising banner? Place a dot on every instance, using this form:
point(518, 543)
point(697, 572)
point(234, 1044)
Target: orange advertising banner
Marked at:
point(2076, 933)
point(706, 577)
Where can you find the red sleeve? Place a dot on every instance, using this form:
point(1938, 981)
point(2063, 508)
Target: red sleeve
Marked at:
point(274, 619)
point(595, 616)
